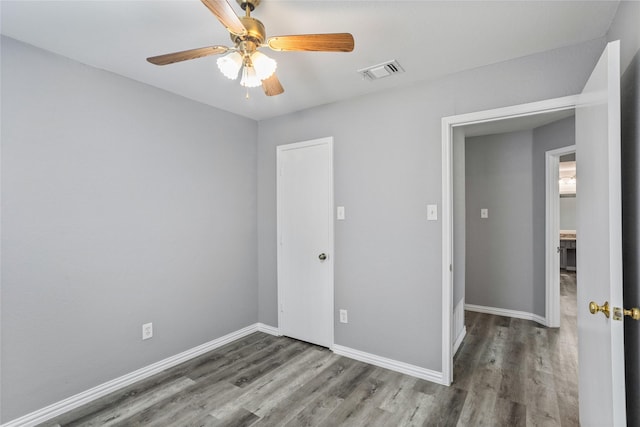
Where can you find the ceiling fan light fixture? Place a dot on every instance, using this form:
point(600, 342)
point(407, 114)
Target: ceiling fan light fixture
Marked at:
point(249, 77)
point(230, 65)
point(248, 35)
point(264, 66)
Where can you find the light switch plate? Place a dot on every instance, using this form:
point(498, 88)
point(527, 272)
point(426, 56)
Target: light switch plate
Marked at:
point(484, 213)
point(432, 212)
point(340, 212)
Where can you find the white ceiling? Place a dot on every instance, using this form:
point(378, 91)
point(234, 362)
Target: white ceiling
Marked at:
point(428, 38)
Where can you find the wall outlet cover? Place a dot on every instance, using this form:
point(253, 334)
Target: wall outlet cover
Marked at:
point(147, 331)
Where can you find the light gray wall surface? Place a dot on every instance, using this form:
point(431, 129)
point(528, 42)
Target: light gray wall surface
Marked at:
point(499, 249)
point(121, 204)
point(567, 213)
point(626, 29)
point(550, 137)
point(387, 164)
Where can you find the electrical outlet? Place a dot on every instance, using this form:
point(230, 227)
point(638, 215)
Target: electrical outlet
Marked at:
point(343, 316)
point(147, 331)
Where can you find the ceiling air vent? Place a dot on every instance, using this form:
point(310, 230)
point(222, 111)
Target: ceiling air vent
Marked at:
point(379, 71)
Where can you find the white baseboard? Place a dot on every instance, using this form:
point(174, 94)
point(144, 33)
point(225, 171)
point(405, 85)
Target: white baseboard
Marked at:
point(507, 313)
point(459, 329)
point(459, 338)
point(271, 330)
point(101, 390)
point(394, 365)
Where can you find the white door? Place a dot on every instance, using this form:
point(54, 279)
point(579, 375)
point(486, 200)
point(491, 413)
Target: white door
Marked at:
point(305, 240)
point(599, 245)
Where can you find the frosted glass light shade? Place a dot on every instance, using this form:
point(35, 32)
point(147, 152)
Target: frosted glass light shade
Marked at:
point(264, 66)
point(249, 77)
point(230, 64)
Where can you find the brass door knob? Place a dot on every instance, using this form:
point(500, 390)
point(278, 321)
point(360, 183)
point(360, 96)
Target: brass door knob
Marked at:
point(634, 313)
point(594, 308)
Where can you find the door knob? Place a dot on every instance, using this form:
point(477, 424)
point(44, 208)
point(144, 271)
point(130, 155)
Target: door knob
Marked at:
point(594, 308)
point(619, 313)
point(634, 313)
point(322, 256)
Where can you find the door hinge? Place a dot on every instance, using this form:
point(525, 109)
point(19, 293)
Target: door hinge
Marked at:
point(450, 267)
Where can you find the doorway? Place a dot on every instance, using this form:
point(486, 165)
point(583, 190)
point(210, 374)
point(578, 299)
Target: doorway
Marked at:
point(601, 374)
point(515, 214)
point(449, 267)
point(553, 245)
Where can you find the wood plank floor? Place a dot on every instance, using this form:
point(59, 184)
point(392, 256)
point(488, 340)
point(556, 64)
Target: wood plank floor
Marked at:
point(508, 372)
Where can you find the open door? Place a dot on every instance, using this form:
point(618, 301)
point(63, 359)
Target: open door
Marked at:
point(599, 246)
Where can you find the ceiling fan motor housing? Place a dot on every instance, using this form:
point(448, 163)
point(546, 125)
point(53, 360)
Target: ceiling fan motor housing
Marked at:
point(256, 32)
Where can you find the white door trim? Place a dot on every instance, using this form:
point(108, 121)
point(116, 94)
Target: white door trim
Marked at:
point(448, 123)
point(552, 235)
point(331, 249)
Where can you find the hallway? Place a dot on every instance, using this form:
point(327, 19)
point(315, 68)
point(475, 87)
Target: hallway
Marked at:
point(516, 371)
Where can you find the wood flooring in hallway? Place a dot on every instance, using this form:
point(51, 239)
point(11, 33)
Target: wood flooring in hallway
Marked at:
point(508, 372)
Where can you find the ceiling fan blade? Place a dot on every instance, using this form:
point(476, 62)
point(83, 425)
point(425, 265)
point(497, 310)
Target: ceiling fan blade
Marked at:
point(227, 17)
point(272, 86)
point(337, 42)
point(184, 55)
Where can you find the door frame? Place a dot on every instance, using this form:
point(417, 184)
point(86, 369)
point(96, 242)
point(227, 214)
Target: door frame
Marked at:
point(330, 249)
point(448, 124)
point(552, 235)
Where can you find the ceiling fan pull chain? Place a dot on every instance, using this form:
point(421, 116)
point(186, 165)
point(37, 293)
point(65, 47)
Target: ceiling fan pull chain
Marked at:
point(247, 96)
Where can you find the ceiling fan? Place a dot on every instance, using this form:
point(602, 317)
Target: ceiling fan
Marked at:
point(248, 35)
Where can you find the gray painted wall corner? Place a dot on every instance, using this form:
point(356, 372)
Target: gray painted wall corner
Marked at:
point(121, 204)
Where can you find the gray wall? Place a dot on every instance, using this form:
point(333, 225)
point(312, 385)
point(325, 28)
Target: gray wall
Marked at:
point(625, 28)
point(387, 169)
point(631, 230)
point(568, 213)
point(499, 248)
point(121, 204)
